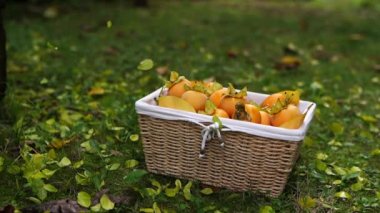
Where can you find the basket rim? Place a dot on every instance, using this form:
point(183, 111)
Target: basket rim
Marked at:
point(147, 106)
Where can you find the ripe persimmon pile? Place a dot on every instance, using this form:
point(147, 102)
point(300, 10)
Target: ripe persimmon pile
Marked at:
point(211, 98)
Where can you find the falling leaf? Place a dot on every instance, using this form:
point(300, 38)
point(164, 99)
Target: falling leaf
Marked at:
point(131, 163)
point(145, 65)
point(84, 199)
point(307, 202)
point(95, 91)
point(134, 137)
point(207, 191)
point(106, 203)
point(343, 195)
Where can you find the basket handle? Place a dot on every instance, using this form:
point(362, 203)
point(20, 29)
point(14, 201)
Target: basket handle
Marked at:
point(208, 133)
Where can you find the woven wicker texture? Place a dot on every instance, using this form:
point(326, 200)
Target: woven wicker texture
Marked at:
point(246, 162)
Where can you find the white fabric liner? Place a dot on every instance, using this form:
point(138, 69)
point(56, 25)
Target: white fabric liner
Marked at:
point(147, 106)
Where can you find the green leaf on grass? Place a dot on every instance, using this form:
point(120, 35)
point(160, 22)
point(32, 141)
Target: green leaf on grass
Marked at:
point(368, 118)
point(343, 195)
point(321, 166)
point(96, 208)
point(41, 193)
point(337, 182)
point(1, 163)
point(34, 200)
point(113, 166)
point(131, 163)
point(84, 199)
point(78, 164)
point(146, 210)
point(340, 171)
point(307, 202)
point(172, 192)
point(308, 141)
point(64, 162)
point(50, 188)
point(187, 190)
point(322, 156)
point(151, 192)
point(135, 176)
point(106, 203)
point(337, 128)
point(207, 191)
point(375, 152)
point(13, 169)
point(146, 64)
point(156, 209)
point(134, 137)
point(266, 209)
point(357, 186)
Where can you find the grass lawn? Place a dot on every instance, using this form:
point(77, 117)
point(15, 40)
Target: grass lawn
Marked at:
point(73, 81)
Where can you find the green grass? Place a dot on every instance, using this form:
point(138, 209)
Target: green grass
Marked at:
point(53, 63)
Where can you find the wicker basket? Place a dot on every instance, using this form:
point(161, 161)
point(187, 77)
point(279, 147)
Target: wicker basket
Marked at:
point(257, 160)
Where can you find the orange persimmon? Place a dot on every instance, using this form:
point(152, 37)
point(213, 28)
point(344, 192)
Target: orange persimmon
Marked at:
point(253, 113)
point(179, 88)
point(228, 104)
point(290, 112)
point(196, 99)
point(287, 97)
point(221, 113)
point(265, 118)
point(217, 96)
